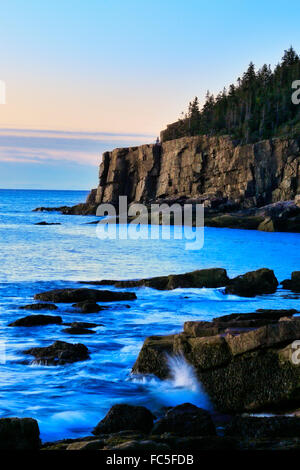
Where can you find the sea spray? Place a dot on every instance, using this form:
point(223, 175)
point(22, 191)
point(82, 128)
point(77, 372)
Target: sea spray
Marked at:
point(183, 386)
point(182, 374)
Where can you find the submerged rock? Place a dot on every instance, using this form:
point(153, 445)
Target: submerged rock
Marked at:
point(292, 284)
point(19, 434)
point(82, 294)
point(82, 324)
point(37, 320)
point(59, 353)
point(214, 277)
point(186, 420)
point(48, 223)
point(88, 307)
point(262, 281)
point(76, 330)
point(39, 306)
point(124, 417)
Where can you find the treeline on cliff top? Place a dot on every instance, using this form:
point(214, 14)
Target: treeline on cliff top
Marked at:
point(257, 107)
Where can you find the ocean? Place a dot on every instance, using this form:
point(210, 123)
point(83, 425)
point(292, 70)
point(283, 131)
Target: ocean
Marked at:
point(68, 401)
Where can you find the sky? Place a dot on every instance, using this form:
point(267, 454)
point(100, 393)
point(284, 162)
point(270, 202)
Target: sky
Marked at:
point(85, 76)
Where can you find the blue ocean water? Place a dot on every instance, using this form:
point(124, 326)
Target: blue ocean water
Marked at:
point(68, 401)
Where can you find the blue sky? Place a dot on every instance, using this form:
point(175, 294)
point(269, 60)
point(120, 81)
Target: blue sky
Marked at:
point(106, 73)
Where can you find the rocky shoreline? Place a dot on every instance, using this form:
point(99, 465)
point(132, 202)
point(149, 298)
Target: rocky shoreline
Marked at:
point(276, 217)
point(244, 361)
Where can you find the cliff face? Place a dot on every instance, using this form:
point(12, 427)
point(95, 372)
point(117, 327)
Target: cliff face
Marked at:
point(203, 167)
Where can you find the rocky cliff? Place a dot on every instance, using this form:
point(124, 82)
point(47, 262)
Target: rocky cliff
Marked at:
point(202, 168)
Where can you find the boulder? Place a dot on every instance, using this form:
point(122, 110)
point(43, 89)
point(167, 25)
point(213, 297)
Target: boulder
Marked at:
point(47, 223)
point(37, 320)
point(292, 284)
point(252, 427)
point(59, 353)
point(82, 324)
point(19, 434)
point(88, 307)
point(241, 368)
point(76, 330)
point(208, 352)
point(210, 278)
point(186, 420)
point(142, 446)
point(152, 357)
point(39, 306)
point(262, 281)
point(82, 294)
point(124, 417)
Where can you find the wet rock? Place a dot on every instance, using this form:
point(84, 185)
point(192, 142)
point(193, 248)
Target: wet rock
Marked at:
point(186, 420)
point(39, 306)
point(95, 444)
point(37, 320)
point(47, 223)
point(252, 427)
point(152, 357)
point(59, 353)
point(82, 294)
point(76, 330)
point(262, 281)
point(19, 434)
point(292, 284)
point(210, 278)
point(239, 221)
point(142, 446)
point(88, 307)
point(123, 417)
point(208, 352)
point(242, 368)
point(82, 324)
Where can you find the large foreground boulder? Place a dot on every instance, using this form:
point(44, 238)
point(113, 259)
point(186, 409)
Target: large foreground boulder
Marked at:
point(210, 278)
point(262, 281)
point(82, 294)
point(124, 417)
point(37, 320)
point(244, 365)
point(186, 420)
point(59, 353)
point(292, 284)
point(19, 434)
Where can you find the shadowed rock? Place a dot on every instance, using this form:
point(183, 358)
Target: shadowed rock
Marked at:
point(81, 294)
point(37, 320)
point(186, 420)
point(59, 353)
point(252, 427)
point(19, 434)
point(214, 277)
point(48, 223)
point(292, 284)
point(124, 417)
point(88, 307)
point(76, 330)
point(39, 306)
point(262, 281)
